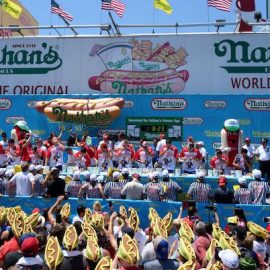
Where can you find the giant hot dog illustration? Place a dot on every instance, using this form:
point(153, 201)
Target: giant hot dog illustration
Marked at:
point(136, 68)
point(88, 112)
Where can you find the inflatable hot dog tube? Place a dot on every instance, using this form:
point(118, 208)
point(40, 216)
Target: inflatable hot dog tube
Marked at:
point(84, 111)
point(140, 82)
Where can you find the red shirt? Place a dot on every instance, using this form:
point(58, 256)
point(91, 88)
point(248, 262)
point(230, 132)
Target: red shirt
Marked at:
point(141, 153)
point(26, 151)
point(83, 160)
point(11, 245)
point(196, 153)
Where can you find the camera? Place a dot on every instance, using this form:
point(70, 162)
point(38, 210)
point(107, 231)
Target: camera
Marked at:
point(266, 219)
point(211, 207)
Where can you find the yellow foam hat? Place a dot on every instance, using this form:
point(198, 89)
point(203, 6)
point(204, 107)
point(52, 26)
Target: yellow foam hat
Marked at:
point(92, 251)
point(153, 214)
point(32, 219)
point(97, 220)
point(104, 264)
point(18, 225)
point(128, 250)
point(189, 265)
point(209, 255)
point(3, 213)
point(216, 231)
point(10, 215)
point(186, 250)
point(88, 230)
point(186, 231)
point(65, 211)
point(168, 221)
point(133, 220)
point(160, 228)
point(70, 240)
point(53, 253)
point(216, 266)
point(257, 229)
point(226, 242)
point(232, 220)
point(122, 211)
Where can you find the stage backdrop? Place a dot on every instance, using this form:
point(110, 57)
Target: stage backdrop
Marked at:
point(177, 116)
point(150, 64)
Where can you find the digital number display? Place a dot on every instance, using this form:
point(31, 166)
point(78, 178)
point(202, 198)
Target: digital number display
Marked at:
point(154, 128)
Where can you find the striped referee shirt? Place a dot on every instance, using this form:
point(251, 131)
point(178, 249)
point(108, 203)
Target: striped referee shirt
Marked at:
point(74, 188)
point(113, 190)
point(199, 191)
point(259, 190)
point(153, 191)
point(171, 189)
point(243, 196)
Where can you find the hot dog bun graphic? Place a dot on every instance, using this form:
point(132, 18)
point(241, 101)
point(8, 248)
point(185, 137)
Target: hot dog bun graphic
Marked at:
point(164, 81)
point(83, 111)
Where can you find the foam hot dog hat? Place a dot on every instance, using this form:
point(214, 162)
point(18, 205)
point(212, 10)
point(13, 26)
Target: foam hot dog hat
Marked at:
point(18, 225)
point(209, 255)
point(257, 229)
point(88, 215)
point(168, 221)
point(122, 211)
point(88, 230)
point(226, 242)
point(3, 213)
point(133, 220)
point(65, 211)
point(104, 264)
point(32, 219)
point(160, 228)
point(186, 231)
point(97, 220)
point(128, 250)
point(92, 251)
point(189, 265)
point(153, 214)
point(70, 240)
point(216, 266)
point(185, 249)
point(216, 231)
point(53, 253)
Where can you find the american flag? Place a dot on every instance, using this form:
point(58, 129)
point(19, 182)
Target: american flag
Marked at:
point(224, 5)
point(56, 9)
point(114, 5)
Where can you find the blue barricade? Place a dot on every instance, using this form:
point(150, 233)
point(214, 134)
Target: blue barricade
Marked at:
point(253, 212)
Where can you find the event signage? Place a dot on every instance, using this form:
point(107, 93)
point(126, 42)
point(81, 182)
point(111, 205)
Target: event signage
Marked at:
point(159, 65)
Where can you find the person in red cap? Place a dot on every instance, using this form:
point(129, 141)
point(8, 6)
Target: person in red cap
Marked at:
point(223, 194)
point(250, 148)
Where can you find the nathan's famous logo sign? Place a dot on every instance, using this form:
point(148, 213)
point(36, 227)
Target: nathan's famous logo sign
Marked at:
point(86, 112)
point(242, 58)
point(28, 59)
point(139, 67)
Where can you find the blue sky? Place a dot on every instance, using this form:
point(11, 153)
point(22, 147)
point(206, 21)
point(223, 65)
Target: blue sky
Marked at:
point(137, 12)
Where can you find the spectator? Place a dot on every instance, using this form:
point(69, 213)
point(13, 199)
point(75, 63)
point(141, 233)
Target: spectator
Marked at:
point(199, 190)
point(55, 185)
point(263, 153)
point(114, 188)
point(153, 190)
point(171, 188)
point(229, 259)
point(243, 162)
point(133, 190)
point(125, 175)
point(259, 188)
point(80, 214)
point(243, 195)
point(223, 194)
point(22, 180)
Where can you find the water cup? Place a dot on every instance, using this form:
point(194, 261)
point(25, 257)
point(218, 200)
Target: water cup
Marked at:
point(238, 173)
point(215, 173)
point(210, 173)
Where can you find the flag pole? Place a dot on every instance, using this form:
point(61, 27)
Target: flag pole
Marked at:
point(267, 7)
point(67, 23)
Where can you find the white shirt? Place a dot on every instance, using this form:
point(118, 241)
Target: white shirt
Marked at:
point(263, 153)
point(77, 218)
point(23, 184)
point(141, 239)
point(250, 149)
point(160, 144)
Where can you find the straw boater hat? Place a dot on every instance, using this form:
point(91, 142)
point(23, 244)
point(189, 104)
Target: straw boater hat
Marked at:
point(168, 221)
point(186, 250)
point(133, 220)
point(88, 230)
point(104, 264)
point(160, 229)
point(65, 211)
point(70, 240)
point(92, 251)
point(189, 265)
point(128, 250)
point(256, 229)
point(53, 253)
point(186, 231)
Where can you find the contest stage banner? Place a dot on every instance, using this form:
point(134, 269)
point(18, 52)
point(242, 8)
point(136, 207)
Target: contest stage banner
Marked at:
point(200, 116)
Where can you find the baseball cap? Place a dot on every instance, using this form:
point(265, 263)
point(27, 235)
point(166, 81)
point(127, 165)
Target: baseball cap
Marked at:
point(116, 175)
point(155, 174)
point(125, 171)
point(86, 175)
point(24, 237)
point(257, 173)
point(222, 181)
point(9, 172)
point(93, 178)
point(38, 167)
point(30, 246)
point(247, 139)
point(165, 174)
point(32, 167)
point(76, 175)
point(200, 175)
point(161, 247)
point(229, 258)
point(242, 180)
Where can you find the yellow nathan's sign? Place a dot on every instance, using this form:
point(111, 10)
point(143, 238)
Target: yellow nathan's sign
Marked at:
point(163, 5)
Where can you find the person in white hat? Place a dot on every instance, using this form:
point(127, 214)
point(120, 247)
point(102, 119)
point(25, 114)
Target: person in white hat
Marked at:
point(75, 185)
point(125, 175)
point(114, 188)
point(11, 189)
point(92, 189)
point(243, 195)
point(229, 259)
point(258, 188)
point(32, 172)
point(153, 191)
point(199, 190)
point(170, 187)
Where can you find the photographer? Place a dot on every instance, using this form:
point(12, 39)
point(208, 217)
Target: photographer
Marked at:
point(192, 217)
point(223, 194)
